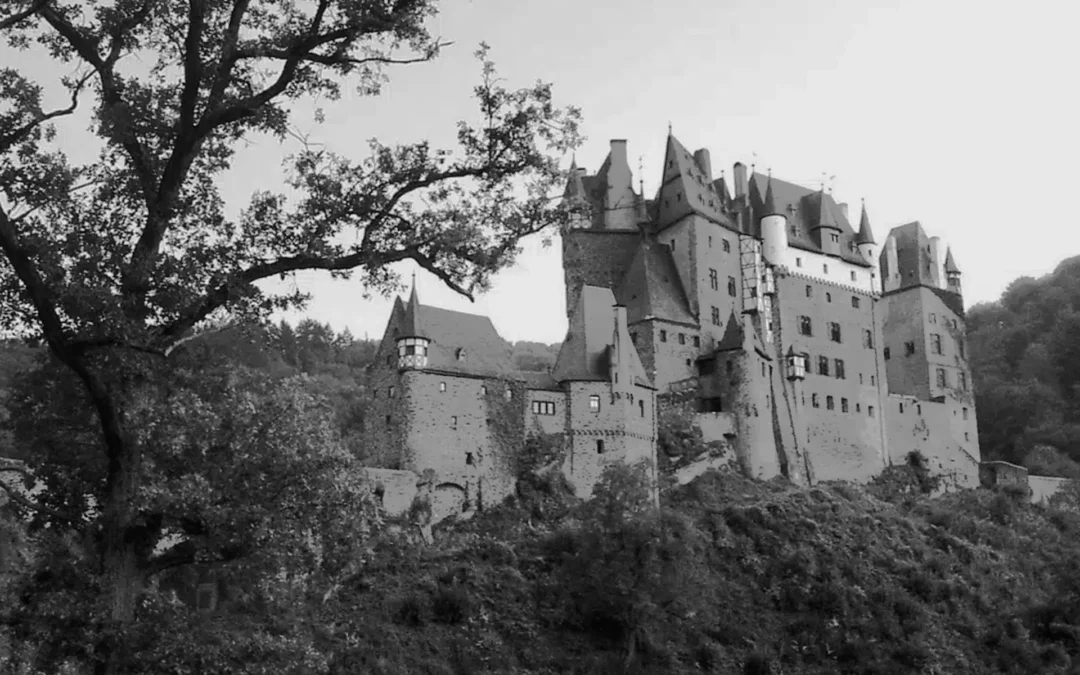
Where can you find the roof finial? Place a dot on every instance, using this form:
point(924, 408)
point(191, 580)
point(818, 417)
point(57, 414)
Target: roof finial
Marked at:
point(641, 174)
point(669, 128)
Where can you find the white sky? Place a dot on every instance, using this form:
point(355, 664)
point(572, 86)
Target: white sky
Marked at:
point(960, 114)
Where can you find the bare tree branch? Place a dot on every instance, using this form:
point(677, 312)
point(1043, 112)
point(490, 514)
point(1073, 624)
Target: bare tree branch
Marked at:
point(19, 498)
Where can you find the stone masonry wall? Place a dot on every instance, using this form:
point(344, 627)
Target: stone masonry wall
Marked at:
point(597, 258)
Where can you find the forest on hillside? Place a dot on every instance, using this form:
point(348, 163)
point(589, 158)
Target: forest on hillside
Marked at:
point(1025, 359)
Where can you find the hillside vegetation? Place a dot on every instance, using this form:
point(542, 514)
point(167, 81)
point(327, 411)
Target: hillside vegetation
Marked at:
point(732, 576)
point(1025, 358)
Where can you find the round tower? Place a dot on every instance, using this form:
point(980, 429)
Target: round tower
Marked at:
point(937, 255)
point(890, 271)
point(952, 273)
point(773, 229)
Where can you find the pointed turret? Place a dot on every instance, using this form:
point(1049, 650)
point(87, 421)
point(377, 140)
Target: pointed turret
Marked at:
point(866, 235)
point(826, 217)
point(773, 228)
point(952, 273)
point(770, 201)
point(575, 188)
point(412, 343)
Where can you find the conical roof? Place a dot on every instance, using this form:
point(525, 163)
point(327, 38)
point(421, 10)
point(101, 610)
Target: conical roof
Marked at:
point(866, 235)
point(950, 264)
point(770, 202)
point(410, 325)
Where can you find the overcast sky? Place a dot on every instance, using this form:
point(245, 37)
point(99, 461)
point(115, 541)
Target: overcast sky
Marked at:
point(960, 114)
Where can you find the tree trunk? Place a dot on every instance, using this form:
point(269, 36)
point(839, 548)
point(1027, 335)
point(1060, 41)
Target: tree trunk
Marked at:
point(121, 564)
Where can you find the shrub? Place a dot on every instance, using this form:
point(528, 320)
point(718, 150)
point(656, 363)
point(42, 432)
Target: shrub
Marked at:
point(412, 610)
point(452, 604)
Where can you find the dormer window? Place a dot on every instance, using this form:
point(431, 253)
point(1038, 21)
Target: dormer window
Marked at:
point(461, 354)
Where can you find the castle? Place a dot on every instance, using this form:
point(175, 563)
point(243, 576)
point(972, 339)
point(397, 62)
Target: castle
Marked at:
point(799, 343)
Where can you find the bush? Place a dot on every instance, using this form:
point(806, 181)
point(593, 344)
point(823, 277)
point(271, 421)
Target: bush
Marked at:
point(452, 604)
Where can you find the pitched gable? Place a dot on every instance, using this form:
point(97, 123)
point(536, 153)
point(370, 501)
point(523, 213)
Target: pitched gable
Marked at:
point(685, 189)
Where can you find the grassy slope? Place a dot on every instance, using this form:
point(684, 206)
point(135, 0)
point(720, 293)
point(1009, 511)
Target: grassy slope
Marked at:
point(833, 579)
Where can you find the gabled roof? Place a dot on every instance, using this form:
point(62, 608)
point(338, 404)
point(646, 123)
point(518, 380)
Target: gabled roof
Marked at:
point(685, 189)
point(586, 353)
point(739, 334)
point(652, 288)
point(866, 235)
point(460, 342)
point(803, 208)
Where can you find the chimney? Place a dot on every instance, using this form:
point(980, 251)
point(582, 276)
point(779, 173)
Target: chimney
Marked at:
point(740, 180)
point(619, 208)
point(620, 320)
point(704, 163)
point(618, 154)
point(843, 210)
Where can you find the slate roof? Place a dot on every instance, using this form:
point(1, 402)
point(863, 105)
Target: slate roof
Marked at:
point(735, 337)
point(483, 351)
point(950, 264)
point(539, 380)
point(806, 210)
point(585, 355)
point(652, 288)
point(686, 189)
point(866, 235)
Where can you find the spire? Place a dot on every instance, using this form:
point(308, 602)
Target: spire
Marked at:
point(866, 235)
point(950, 264)
point(575, 189)
point(411, 327)
point(770, 201)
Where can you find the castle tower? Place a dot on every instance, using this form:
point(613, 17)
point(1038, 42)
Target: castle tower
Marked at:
point(867, 246)
point(574, 198)
point(773, 228)
point(952, 273)
point(412, 345)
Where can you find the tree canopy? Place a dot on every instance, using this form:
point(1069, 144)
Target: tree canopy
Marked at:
point(114, 262)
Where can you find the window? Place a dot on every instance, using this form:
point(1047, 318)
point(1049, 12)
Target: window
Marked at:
point(961, 381)
point(641, 405)
point(714, 279)
point(834, 331)
point(663, 336)
point(469, 459)
point(682, 338)
point(829, 405)
point(389, 359)
point(442, 386)
point(594, 403)
point(935, 343)
point(858, 407)
point(967, 436)
point(860, 378)
point(886, 353)
point(942, 378)
point(853, 271)
point(901, 407)
point(599, 447)
point(387, 420)
point(828, 297)
point(483, 389)
point(868, 338)
point(965, 413)
point(731, 286)
point(840, 375)
point(809, 291)
point(392, 392)
point(814, 401)
point(843, 405)
point(823, 365)
point(834, 237)
point(461, 354)
point(727, 246)
point(633, 337)
point(909, 348)
point(960, 348)
point(798, 262)
point(543, 407)
point(710, 242)
point(453, 421)
point(697, 340)
point(509, 394)
point(715, 320)
point(805, 326)
point(855, 300)
point(825, 268)
point(870, 410)
point(872, 383)
point(933, 317)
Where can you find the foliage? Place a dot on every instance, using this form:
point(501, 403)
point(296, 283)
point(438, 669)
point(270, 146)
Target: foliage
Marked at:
point(114, 263)
point(679, 440)
point(1026, 367)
